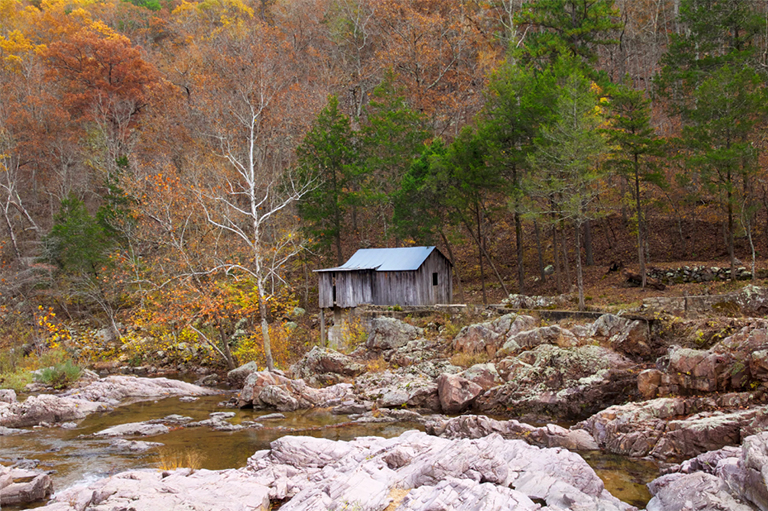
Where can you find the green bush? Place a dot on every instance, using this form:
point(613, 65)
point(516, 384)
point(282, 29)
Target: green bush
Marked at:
point(60, 376)
point(17, 380)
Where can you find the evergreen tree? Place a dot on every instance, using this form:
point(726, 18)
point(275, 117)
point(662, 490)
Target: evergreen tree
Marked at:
point(566, 28)
point(329, 154)
point(391, 138)
point(634, 144)
point(567, 159)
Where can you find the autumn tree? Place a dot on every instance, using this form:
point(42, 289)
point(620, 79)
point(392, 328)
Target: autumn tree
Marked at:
point(250, 110)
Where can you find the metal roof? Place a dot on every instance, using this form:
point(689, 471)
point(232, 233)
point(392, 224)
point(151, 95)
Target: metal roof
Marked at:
point(385, 259)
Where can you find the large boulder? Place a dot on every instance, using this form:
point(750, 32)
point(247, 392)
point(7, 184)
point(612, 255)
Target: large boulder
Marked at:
point(113, 389)
point(46, 408)
point(19, 486)
point(389, 333)
point(456, 393)
point(699, 370)
point(237, 376)
point(272, 390)
point(488, 337)
point(323, 366)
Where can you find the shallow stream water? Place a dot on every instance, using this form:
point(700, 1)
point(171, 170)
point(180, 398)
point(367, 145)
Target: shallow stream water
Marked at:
point(75, 458)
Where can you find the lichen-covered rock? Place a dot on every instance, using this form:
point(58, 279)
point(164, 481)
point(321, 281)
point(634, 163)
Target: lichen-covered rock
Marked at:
point(553, 335)
point(631, 337)
point(675, 427)
point(323, 365)
point(390, 333)
point(391, 389)
point(489, 337)
point(570, 383)
point(484, 375)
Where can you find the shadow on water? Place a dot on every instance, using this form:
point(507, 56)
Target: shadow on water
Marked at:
point(74, 457)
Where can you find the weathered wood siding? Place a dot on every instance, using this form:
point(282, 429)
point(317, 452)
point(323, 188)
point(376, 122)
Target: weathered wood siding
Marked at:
point(353, 288)
point(415, 287)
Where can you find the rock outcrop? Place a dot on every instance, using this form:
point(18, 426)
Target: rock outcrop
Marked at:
point(675, 428)
point(322, 366)
point(315, 474)
point(732, 479)
point(570, 383)
point(20, 486)
point(46, 408)
point(319, 474)
point(149, 490)
point(478, 426)
point(273, 390)
point(113, 389)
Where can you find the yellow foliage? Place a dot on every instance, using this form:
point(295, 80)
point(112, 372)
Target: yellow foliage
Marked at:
point(172, 459)
point(251, 348)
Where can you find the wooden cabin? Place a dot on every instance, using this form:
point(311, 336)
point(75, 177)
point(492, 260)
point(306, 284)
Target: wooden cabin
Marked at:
point(388, 276)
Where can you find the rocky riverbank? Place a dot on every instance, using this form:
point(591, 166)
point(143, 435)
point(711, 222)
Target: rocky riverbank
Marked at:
point(421, 471)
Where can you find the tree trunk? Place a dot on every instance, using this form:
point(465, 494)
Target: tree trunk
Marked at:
point(538, 250)
point(265, 329)
point(731, 253)
point(455, 266)
point(566, 263)
point(227, 352)
point(579, 275)
point(588, 243)
point(556, 253)
point(480, 254)
point(519, 241)
point(640, 226)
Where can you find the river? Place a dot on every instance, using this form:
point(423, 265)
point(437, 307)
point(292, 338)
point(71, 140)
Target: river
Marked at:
point(75, 457)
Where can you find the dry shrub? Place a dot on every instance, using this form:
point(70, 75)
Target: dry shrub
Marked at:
point(172, 459)
point(465, 360)
point(376, 365)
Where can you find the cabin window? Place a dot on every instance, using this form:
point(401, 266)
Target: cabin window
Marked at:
point(434, 279)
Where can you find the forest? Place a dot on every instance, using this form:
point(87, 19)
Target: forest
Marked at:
point(175, 170)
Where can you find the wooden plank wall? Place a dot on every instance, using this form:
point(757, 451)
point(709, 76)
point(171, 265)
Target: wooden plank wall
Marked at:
point(354, 288)
point(415, 287)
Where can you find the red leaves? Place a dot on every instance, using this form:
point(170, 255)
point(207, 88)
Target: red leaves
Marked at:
point(102, 76)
